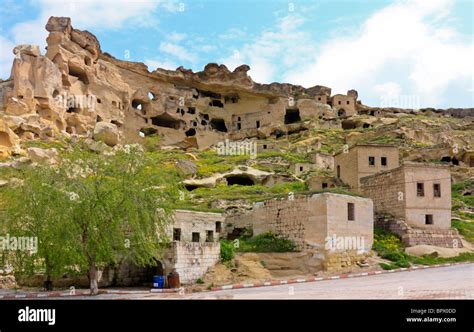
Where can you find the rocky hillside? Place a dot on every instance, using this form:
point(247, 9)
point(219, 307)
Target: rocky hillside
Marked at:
point(76, 94)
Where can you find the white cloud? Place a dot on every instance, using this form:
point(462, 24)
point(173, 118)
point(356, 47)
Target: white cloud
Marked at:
point(86, 14)
point(405, 48)
point(165, 64)
point(178, 52)
point(286, 46)
point(233, 33)
point(176, 36)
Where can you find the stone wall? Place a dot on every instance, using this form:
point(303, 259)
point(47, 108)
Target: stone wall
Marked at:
point(322, 161)
point(395, 192)
point(448, 238)
point(345, 167)
point(387, 190)
point(192, 260)
point(308, 221)
point(335, 261)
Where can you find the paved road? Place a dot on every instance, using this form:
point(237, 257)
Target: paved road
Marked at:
point(455, 282)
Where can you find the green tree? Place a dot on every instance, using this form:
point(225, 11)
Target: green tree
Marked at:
point(100, 208)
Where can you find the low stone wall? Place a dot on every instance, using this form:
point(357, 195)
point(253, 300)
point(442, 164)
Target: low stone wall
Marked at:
point(447, 238)
point(337, 260)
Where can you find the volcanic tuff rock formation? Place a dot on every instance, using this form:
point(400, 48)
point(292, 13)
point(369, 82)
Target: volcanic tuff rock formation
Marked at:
point(76, 89)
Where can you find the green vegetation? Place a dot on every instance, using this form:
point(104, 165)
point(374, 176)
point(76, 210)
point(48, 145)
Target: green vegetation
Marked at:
point(461, 201)
point(267, 242)
point(465, 228)
point(389, 246)
point(88, 211)
point(227, 250)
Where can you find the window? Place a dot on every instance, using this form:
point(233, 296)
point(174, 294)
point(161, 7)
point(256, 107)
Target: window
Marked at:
point(420, 189)
point(239, 126)
point(348, 102)
point(301, 168)
point(338, 172)
point(428, 219)
point(218, 227)
point(264, 146)
point(436, 190)
point(371, 161)
point(350, 211)
point(324, 185)
point(210, 236)
point(176, 234)
point(383, 161)
point(258, 124)
point(340, 102)
point(319, 98)
point(195, 237)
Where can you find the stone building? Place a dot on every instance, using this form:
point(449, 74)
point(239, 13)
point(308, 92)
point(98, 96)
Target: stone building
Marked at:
point(194, 248)
point(319, 182)
point(345, 104)
point(363, 160)
point(322, 160)
point(417, 199)
point(313, 222)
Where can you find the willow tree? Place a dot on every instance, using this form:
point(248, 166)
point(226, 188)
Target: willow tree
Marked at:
point(105, 206)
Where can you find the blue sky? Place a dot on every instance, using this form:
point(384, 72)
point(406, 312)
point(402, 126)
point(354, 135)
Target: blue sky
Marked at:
point(390, 51)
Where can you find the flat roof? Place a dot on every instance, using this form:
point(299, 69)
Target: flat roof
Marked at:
point(409, 164)
point(376, 145)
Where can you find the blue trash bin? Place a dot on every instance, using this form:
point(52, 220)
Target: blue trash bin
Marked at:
point(158, 281)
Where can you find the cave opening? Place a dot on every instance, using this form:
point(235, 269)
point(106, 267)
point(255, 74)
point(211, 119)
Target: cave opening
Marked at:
point(209, 94)
point(448, 159)
point(348, 124)
point(79, 73)
point(216, 103)
point(149, 131)
point(292, 116)
point(190, 132)
point(219, 125)
point(341, 113)
point(165, 120)
point(240, 179)
point(190, 187)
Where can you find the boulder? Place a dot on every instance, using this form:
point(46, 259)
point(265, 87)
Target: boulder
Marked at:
point(107, 133)
point(39, 155)
point(32, 50)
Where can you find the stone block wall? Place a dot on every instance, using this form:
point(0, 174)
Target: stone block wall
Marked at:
point(387, 190)
point(447, 238)
point(335, 261)
point(191, 259)
point(283, 217)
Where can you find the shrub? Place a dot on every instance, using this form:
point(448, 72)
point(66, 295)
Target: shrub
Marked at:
point(267, 242)
point(227, 251)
